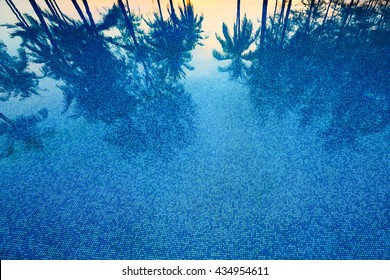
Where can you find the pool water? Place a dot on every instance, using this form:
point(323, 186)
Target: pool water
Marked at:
point(241, 184)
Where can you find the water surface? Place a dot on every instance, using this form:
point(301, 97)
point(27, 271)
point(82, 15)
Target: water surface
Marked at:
point(214, 168)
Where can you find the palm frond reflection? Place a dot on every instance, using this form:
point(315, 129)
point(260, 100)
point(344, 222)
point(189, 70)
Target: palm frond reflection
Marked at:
point(115, 78)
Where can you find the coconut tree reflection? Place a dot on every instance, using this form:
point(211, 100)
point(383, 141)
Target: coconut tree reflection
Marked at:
point(16, 81)
point(170, 41)
point(15, 78)
point(191, 25)
point(120, 80)
point(236, 47)
point(332, 69)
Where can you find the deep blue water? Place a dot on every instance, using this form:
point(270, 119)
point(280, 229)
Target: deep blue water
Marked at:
point(218, 180)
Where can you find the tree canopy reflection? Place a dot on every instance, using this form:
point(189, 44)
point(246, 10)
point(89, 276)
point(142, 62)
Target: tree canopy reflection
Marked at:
point(236, 48)
point(130, 80)
point(328, 61)
point(15, 78)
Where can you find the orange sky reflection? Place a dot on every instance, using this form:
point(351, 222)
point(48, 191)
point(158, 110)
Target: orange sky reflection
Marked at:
point(215, 12)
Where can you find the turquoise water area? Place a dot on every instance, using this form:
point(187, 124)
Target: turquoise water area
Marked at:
point(193, 164)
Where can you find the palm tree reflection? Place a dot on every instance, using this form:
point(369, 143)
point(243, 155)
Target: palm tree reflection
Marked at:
point(331, 67)
point(102, 77)
point(170, 41)
point(236, 47)
point(15, 78)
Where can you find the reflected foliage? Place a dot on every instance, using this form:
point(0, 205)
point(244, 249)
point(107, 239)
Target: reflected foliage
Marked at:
point(171, 41)
point(17, 81)
point(236, 47)
point(15, 78)
point(21, 129)
point(161, 125)
point(114, 70)
point(332, 68)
